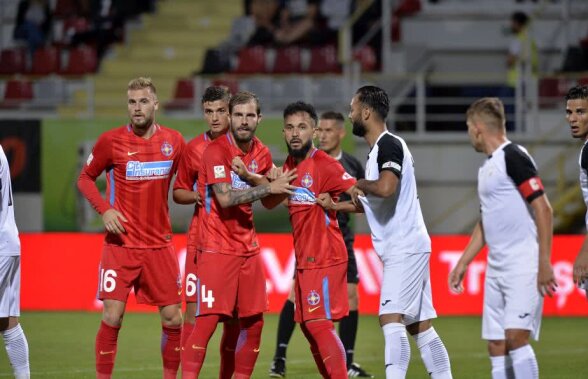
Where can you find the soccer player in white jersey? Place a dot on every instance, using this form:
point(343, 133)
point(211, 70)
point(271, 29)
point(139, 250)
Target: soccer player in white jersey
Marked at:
point(400, 238)
point(577, 117)
point(516, 224)
point(15, 341)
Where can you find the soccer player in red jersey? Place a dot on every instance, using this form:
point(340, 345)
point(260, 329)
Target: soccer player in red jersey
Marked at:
point(215, 106)
point(321, 257)
point(139, 159)
point(230, 275)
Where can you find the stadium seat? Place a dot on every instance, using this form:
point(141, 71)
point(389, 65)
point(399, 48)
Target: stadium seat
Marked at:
point(12, 61)
point(551, 91)
point(81, 60)
point(16, 92)
point(288, 60)
point(367, 58)
point(230, 83)
point(46, 60)
point(48, 92)
point(324, 60)
point(65, 8)
point(251, 60)
point(183, 96)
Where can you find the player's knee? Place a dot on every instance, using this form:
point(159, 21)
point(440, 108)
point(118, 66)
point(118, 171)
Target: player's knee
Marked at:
point(112, 318)
point(496, 348)
point(253, 323)
point(171, 315)
point(515, 341)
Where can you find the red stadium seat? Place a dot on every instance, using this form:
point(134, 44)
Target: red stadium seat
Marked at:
point(183, 96)
point(82, 60)
point(324, 60)
point(231, 84)
point(288, 60)
point(16, 92)
point(367, 58)
point(251, 60)
point(65, 8)
point(46, 60)
point(12, 61)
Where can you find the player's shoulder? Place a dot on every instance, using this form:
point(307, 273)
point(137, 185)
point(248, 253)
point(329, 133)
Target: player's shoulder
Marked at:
point(584, 156)
point(259, 146)
point(171, 133)
point(322, 157)
point(219, 144)
point(513, 152)
point(388, 139)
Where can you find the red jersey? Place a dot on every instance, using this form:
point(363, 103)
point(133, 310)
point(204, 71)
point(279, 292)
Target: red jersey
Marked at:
point(138, 177)
point(187, 177)
point(318, 241)
point(228, 230)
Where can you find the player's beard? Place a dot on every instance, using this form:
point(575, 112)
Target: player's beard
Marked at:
point(358, 129)
point(244, 139)
point(300, 153)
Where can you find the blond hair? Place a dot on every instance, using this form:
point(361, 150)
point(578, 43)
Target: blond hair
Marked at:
point(142, 83)
point(490, 110)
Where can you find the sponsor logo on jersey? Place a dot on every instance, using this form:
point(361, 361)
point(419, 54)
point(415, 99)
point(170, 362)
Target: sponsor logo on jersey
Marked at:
point(346, 176)
point(392, 165)
point(219, 172)
point(137, 170)
point(253, 166)
point(313, 298)
point(90, 158)
point(238, 183)
point(167, 149)
point(302, 196)
point(306, 180)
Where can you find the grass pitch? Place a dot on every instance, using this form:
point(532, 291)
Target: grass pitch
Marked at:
point(62, 346)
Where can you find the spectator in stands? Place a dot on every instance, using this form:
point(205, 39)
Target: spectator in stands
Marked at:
point(522, 53)
point(33, 23)
point(367, 25)
point(298, 19)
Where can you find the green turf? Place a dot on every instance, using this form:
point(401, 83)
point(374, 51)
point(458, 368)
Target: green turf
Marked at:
point(62, 344)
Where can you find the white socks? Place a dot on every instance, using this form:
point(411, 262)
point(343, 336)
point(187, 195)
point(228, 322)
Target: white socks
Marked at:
point(17, 349)
point(524, 363)
point(502, 367)
point(396, 350)
point(434, 354)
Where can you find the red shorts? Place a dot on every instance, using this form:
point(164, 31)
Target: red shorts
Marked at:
point(228, 283)
point(154, 274)
point(321, 293)
point(190, 275)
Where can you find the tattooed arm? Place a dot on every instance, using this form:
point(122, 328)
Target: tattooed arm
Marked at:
point(228, 197)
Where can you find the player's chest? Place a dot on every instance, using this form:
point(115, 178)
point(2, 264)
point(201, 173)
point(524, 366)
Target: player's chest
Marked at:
point(492, 180)
point(253, 164)
point(140, 161)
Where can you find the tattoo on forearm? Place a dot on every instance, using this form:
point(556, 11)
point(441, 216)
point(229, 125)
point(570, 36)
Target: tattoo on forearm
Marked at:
point(241, 196)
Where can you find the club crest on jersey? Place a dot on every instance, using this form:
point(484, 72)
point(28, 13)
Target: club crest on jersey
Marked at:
point(306, 180)
point(313, 298)
point(167, 149)
point(253, 166)
point(137, 170)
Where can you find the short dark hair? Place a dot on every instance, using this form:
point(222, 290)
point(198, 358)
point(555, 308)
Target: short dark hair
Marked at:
point(244, 97)
point(332, 115)
point(214, 93)
point(301, 106)
point(520, 17)
point(375, 98)
point(577, 92)
point(490, 109)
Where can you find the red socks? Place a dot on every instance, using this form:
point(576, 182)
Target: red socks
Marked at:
point(170, 350)
point(228, 344)
point(321, 334)
point(106, 341)
point(247, 348)
point(195, 349)
point(186, 331)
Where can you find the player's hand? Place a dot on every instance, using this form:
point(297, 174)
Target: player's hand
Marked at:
point(546, 282)
point(197, 198)
point(113, 220)
point(326, 201)
point(282, 183)
point(581, 267)
point(455, 279)
point(239, 167)
point(274, 173)
point(356, 193)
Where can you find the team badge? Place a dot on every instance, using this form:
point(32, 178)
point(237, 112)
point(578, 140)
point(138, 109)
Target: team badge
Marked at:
point(253, 166)
point(167, 149)
point(313, 298)
point(306, 180)
point(219, 172)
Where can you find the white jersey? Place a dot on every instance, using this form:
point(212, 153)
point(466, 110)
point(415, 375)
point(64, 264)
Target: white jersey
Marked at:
point(583, 162)
point(396, 222)
point(9, 242)
point(507, 183)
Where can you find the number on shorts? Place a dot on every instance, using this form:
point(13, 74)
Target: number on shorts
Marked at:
point(207, 297)
point(107, 282)
point(191, 284)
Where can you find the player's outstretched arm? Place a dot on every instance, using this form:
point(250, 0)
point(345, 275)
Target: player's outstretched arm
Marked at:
point(183, 196)
point(326, 201)
point(474, 246)
point(581, 263)
point(544, 220)
point(384, 186)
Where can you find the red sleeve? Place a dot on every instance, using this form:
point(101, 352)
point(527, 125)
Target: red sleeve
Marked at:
point(99, 160)
point(267, 162)
point(216, 165)
point(337, 180)
point(180, 154)
point(187, 172)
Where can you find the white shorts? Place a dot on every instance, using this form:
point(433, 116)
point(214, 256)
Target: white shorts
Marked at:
point(406, 287)
point(10, 286)
point(511, 303)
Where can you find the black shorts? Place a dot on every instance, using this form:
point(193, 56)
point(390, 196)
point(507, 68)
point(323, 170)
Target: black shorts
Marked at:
point(352, 273)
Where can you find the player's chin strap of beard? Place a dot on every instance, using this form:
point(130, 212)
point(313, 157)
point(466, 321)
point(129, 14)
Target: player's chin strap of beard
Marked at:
point(358, 129)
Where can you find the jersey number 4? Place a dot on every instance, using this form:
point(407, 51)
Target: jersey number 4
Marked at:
point(207, 296)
